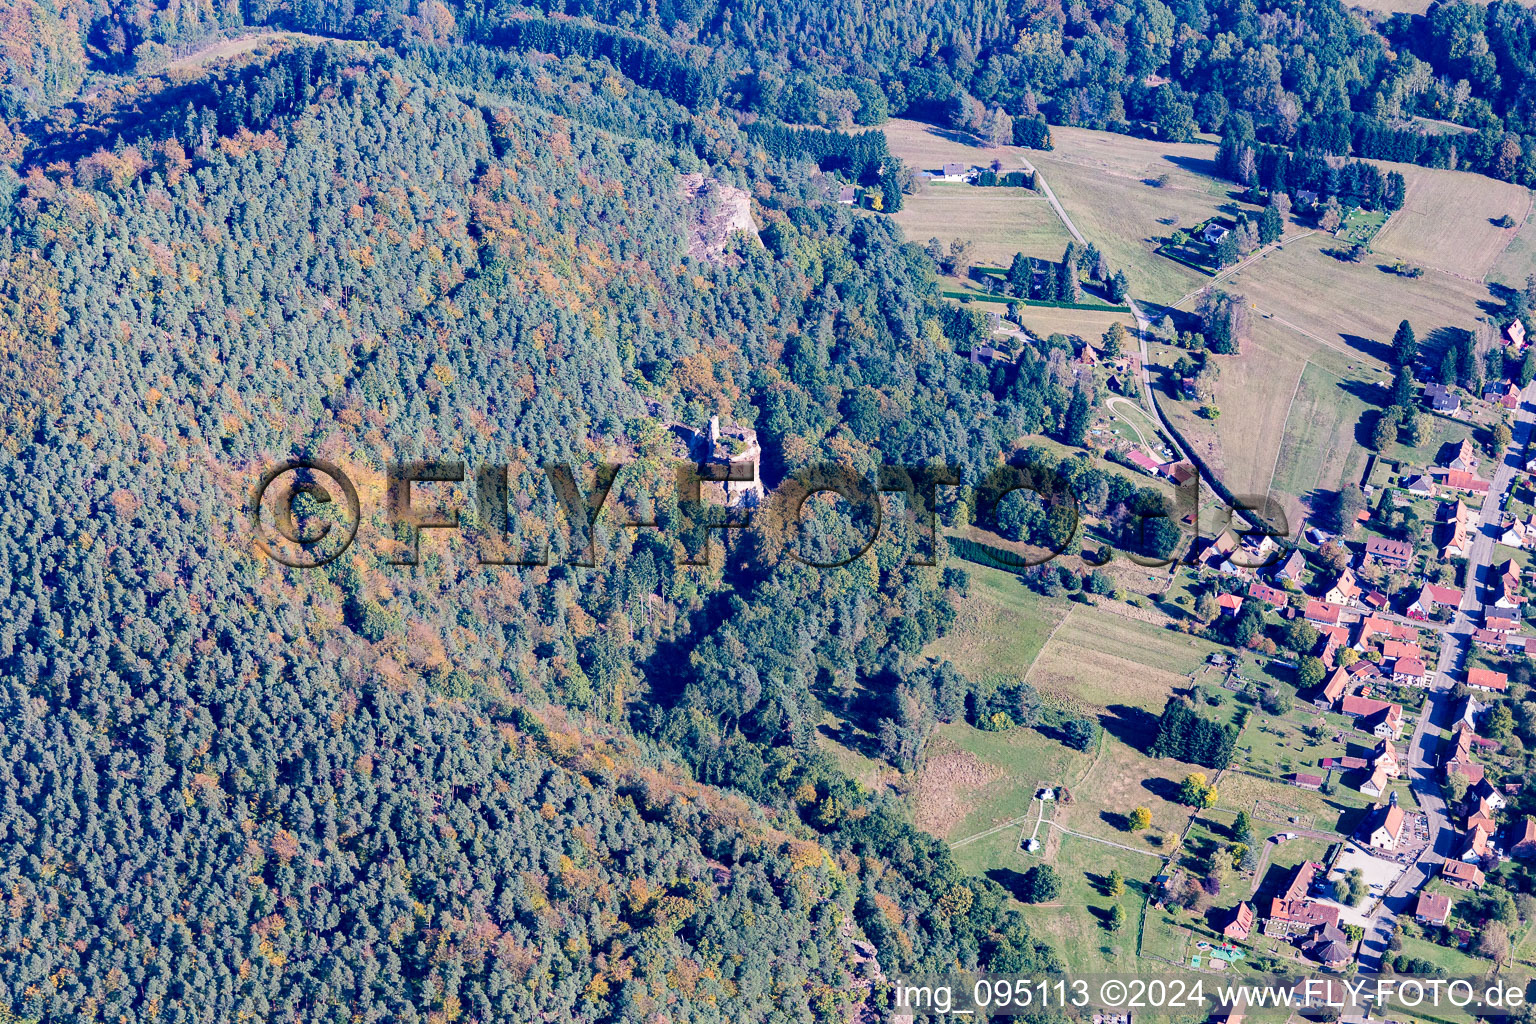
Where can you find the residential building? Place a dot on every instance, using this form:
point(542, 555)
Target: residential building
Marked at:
point(1463, 456)
point(1396, 553)
point(1459, 480)
point(1487, 679)
point(1432, 597)
point(1229, 604)
point(1345, 589)
point(1433, 908)
point(1442, 399)
point(1375, 784)
point(1322, 612)
point(1272, 596)
point(1241, 924)
point(1476, 848)
point(1291, 567)
point(1462, 874)
point(1409, 672)
point(1380, 718)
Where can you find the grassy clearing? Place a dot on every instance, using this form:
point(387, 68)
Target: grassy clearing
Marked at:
point(928, 147)
point(1123, 778)
point(974, 780)
point(1000, 627)
point(1088, 324)
point(998, 221)
point(1076, 924)
point(1519, 258)
point(1254, 393)
point(1353, 308)
point(1447, 222)
point(1319, 450)
point(1097, 659)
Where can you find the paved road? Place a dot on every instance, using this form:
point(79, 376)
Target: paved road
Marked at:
point(1423, 748)
point(1143, 325)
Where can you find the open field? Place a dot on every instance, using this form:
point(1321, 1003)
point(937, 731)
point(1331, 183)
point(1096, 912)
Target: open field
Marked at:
point(1076, 923)
point(1319, 450)
point(1353, 308)
point(1254, 393)
point(1447, 220)
point(1518, 260)
point(1088, 324)
point(927, 147)
point(998, 221)
point(1123, 778)
point(974, 780)
point(1000, 628)
point(1386, 8)
point(1105, 182)
point(1097, 659)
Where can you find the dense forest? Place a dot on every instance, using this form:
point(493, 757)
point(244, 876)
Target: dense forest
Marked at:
point(1313, 77)
point(453, 790)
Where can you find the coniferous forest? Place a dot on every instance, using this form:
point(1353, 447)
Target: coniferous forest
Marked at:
point(441, 230)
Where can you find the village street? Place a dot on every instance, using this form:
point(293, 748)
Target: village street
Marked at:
point(1423, 772)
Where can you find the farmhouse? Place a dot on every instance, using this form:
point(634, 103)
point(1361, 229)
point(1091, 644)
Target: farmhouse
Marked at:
point(1514, 333)
point(1142, 461)
point(1344, 590)
point(1375, 784)
point(1333, 688)
point(1517, 533)
point(1459, 480)
point(1476, 848)
point(1293, 911)
point(1485, 790)
point(1380, 718)
point(1431, 598)
point(1522, 843)
point(1463, 456)
point(1385, 759)
point(1391, 649)
point(1213, 233)
point(1322, 612)
point(1408, 672)
point(1481, 817)
point(1396, 553)
point(846, 195)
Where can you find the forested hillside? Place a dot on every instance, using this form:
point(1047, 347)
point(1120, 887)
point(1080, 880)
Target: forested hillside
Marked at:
point(233, 791)
point(1311, 76)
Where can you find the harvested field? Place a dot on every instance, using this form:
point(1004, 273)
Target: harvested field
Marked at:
point(1447, 222)
point(998, 221)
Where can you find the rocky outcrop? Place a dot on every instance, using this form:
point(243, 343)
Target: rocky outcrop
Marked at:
point(715, 211)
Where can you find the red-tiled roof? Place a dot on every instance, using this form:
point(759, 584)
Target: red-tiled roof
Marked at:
point(1488, 678)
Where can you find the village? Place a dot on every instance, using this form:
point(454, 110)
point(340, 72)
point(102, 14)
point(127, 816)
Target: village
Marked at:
point(1418, 633)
